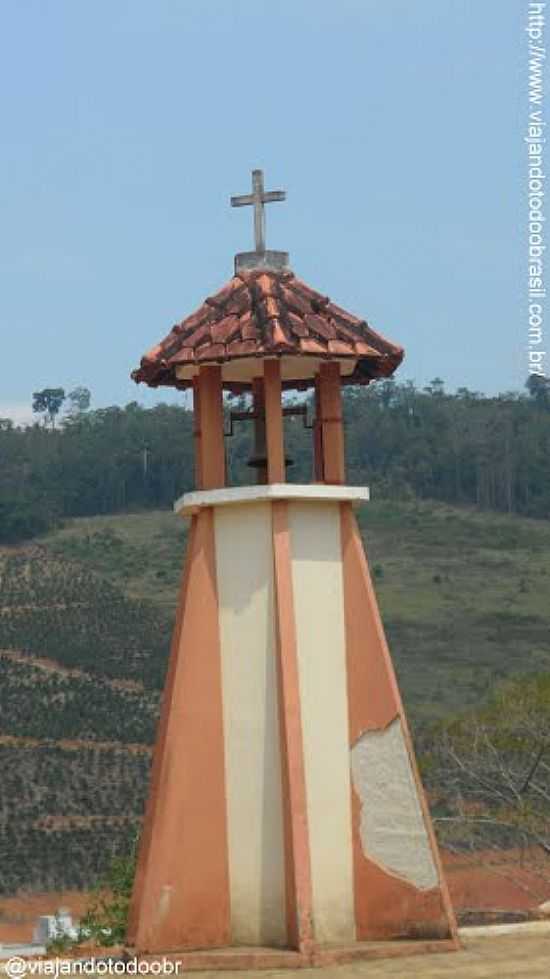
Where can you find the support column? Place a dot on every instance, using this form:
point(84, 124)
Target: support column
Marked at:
point(210, 418)
point(274, 422)
point(332, 433)
point(259, 459)
point(197, 433)
point(318, 474)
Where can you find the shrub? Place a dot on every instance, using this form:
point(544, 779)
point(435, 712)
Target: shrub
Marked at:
point(107, 919)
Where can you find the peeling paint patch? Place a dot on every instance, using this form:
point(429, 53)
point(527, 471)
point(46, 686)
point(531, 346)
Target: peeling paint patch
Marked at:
point(392, 829)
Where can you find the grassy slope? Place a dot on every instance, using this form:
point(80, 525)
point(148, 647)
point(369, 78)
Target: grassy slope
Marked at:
point(140, 553)
point(465, 596)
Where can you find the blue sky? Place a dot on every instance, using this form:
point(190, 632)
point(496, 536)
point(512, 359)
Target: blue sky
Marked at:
point(395, 127)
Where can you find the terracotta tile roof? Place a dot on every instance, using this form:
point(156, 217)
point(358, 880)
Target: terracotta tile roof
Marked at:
point(265, 314)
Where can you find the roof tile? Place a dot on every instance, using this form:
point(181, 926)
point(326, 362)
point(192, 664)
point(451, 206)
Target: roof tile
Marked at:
point(195, 337)
point(295, 302)
point(323, 327)
point(242, 348)
point(239, 301)
point(183, 356)
point(297, 325)
point(225, 329)
point(272, 307)
point(202, 314)
point(259, 313)
point(152, 354)
point(365, 350)
point(220, 298)
point(279, 336)
point(342, 314)
point(311, 346)
point(265, 284)
point(340, 347)
point(249, 331)
point(210, 351)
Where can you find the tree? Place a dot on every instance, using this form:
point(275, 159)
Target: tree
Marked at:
point(23, 518)
point(48, 402)
point(80, 399)
point(539, 389)
point(436, 387)
point(488, 775)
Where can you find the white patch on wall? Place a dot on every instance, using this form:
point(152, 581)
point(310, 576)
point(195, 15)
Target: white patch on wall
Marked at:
point(392, 828)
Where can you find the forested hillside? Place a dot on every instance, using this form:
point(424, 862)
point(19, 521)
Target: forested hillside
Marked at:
point(463, 448)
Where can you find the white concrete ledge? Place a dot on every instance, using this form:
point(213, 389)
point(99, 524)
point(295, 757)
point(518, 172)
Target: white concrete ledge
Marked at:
point(191, 503)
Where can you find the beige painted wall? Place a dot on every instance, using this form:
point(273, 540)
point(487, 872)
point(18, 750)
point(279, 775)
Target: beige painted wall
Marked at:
point(244, 560)
point(319, 608)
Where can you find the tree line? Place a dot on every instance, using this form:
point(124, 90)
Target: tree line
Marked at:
point(405, 442)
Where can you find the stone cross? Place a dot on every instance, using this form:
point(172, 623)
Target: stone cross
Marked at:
point(258, 198)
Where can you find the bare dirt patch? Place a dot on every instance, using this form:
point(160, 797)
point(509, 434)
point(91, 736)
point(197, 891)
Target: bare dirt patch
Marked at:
point(502, 882)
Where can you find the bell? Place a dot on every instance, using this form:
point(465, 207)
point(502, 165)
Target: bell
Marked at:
point(260, 461)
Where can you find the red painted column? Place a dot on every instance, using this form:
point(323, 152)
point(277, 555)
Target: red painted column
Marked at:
point(210, 408)
point(318, 437)
point(332, 432)
point(274, 422)
point(197, 433)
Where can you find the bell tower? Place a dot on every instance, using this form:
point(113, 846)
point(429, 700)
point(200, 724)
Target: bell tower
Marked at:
point(286, 822)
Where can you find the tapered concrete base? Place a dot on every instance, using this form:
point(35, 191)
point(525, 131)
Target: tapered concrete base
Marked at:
point(285, 809)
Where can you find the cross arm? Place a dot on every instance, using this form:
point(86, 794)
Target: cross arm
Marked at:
point(242, 200)
point(266, 198)
point(273, 195)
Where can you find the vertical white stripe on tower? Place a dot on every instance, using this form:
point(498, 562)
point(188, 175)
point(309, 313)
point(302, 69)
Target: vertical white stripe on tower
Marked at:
point(319, 608)
point(244, 567)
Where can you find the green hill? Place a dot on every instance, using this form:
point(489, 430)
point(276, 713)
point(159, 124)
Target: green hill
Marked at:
point(85, 620)
point(465, 595)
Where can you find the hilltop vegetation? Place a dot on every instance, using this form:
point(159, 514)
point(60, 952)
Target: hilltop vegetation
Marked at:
point(462, 449)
